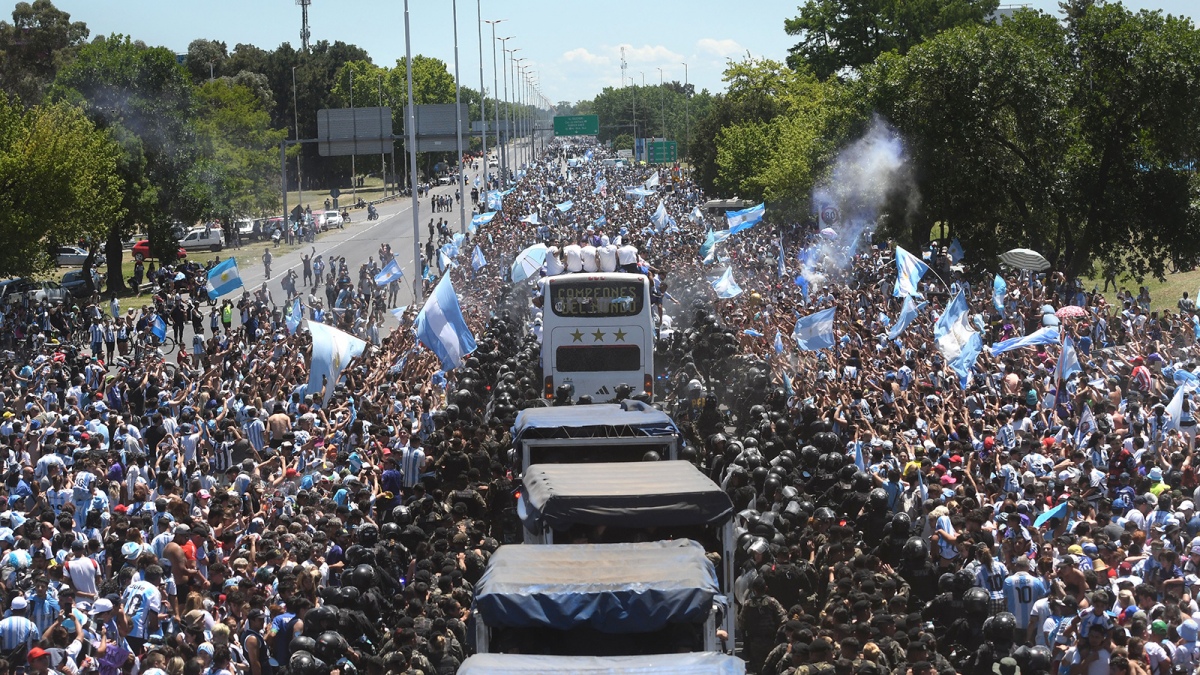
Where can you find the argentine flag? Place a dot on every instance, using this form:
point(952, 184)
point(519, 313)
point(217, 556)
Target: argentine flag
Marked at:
point(223, 279)
point(909, 270)
point(158, 328)
point(745, 219)
point(390, 272)
point(295, 316)
point(477, 259)
point(331, 351)
point(441, 328)
point(565, 206)
point(815, 331)
point(726, 287)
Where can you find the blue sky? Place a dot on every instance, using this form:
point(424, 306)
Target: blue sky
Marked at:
point(574, 46)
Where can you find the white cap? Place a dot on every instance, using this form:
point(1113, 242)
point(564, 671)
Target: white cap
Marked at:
point(19, 603)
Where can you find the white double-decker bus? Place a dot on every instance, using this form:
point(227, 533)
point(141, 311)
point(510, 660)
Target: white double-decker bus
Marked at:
point(597, 333)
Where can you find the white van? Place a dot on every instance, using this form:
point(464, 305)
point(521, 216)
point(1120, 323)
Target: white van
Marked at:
point(201, 238)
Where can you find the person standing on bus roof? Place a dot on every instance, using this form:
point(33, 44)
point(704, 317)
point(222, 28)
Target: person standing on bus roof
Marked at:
point(554, 266)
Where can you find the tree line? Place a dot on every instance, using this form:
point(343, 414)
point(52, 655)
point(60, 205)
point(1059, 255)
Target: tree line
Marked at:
point(1076, 136)
point(104, 137)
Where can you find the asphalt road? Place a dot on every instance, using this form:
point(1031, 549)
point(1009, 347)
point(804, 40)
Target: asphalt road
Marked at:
point(358, 242)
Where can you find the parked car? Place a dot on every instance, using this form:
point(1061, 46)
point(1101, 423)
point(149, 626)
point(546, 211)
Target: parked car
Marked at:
point(31, 290)
point(141, 251)
point(333, 219)
point(76, 284)
point(74, 256)
point(245, 228)
point(204, 239)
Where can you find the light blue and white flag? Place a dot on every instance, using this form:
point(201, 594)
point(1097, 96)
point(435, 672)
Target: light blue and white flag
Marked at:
point(483, 218)
point(532, 219)
point(1046, 335)
point(959, 344)
point(477, 259)
point(565, 206)
point(158, 328)
point(600, 221)
point(332, 349)
point(601, 185)
point(476, 181)
point(745, 219)
point(440, 326)
point(295, 317)
point(660, 217)
point(1087, 424)
point(223, 278)
point(778, 342)
point(752, 333)
point(999, 289)
point(782, 264)
point(907, 314)
point(653, 181)
point(1068, 361)
point(390, 272)
point(695, 216)
point(1175, 407)
point(802, 282)
point(445, 262)
point(726, 287)
point(815, 331)
point(708, 248)
point(956, 251)
point(909, 270)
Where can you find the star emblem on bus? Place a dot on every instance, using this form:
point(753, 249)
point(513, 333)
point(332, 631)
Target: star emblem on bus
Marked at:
point(598, 335)
point(577, 336)
point(619, 336)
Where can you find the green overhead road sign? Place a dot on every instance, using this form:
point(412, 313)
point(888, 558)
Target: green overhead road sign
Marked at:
point(576, 125)
point(662, 152)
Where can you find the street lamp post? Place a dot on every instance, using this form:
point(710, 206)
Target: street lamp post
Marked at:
point(296, 117)
point(495, 94)
point(504, 76)
point(518, 99)
point(511, 116)
point(687, 113)
point(482, 91)
point(662, 98)
point(462, 177)
point(411, 125)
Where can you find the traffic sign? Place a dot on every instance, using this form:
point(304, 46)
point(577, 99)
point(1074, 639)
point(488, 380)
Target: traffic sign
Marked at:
point(576, 125)
point(662, 152)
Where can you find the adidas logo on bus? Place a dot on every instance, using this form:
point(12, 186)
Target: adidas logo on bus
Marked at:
point(602, 390)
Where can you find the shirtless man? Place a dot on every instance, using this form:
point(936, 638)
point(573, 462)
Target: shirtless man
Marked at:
point(183, 570)
point(278, 424)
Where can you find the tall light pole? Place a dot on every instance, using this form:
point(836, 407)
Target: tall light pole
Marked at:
point(687, 113)
point(410, 123)
point(518, 96)
point(511, 116)
point(504, 141)
point(482, 91)
point(353, 170)
point(462, 176)
point(296, 114)
point(662, 98)
point(495, 92)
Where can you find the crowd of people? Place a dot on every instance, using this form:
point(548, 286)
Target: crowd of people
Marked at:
point(220, 515)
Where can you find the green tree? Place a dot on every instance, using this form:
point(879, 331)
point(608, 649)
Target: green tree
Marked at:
point(205, 59)
point(38, 42)
point(1076, 140)
point(60, 183)
point(237, 171)
point(840, 34)
point(143, 99)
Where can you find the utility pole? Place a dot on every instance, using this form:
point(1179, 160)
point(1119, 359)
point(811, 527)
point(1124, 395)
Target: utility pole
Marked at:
point(353, 170)
point(662, 97)
point(411, 125)
point(495, 93)
point(462, 175)
point(504, 141)
point(382, 158)
point(296, 116)
point(482, 91)
point(687, 113)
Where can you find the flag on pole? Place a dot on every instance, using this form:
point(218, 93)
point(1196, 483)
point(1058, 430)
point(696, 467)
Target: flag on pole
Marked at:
point(959, 344)
point(332, 349)
point(745, 219)
point(907, 314)
point(1087, 424)
point(440, 326)
point(390, 272)
point(815, 331)
point(653, 181)
point(726, 287)
point(708, 248)
point(909, 270)
point(445, 262)
point(782, 264)
point(477, 259)
point(223, 278)
point(398, 312)
point(695, 216)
